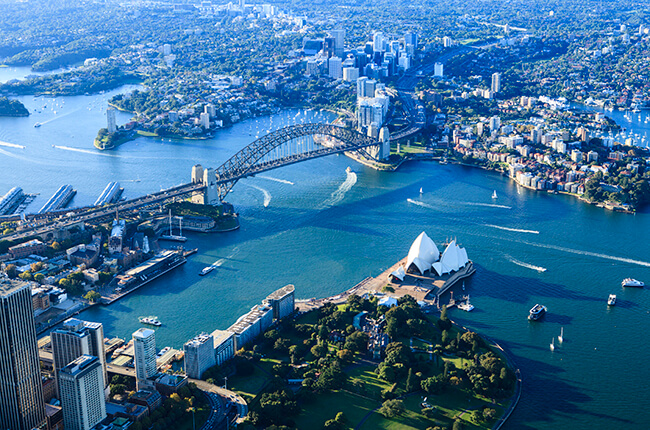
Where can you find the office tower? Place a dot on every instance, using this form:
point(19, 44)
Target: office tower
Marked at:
point(438, 70)
point(204, 119)
point(496, 82)
point(378, 42)
point(144, 345)
point(110, 117)
point(350, 74)
point(74, 339)
point(411, 39)
point(21, 394)
point(82, 393)
point(339, 39)
point(361, 86)
point(334, 67)
point(199, 355)
point(447, 42)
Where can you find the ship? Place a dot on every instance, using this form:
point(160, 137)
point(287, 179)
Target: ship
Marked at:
point(150, 320)
point(611, 300)
point(494, 194)
point(536, 312)
point(629, 282)
point(206, 270)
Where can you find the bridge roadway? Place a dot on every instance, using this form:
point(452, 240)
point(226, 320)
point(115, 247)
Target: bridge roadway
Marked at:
point(89, 214)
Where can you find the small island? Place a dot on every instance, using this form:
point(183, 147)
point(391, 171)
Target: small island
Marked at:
point(107, 140)
point(12, 108)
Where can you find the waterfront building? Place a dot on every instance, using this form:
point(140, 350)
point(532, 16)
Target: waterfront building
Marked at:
point(422, 254)
point(81, 387)
point(199, 355)
point(453, 258)
point(224, 346)
point(59, 200)
point(282, 301)
point(21, 394)
point(109, 195)
point(205, 120)
point(110, 118)
point(74, 339)
point(10, 200)
point(251, 325)
point(496, 83)
point(144, 347)
point(384, 139)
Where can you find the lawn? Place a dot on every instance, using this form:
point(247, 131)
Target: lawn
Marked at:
point(326, 406)
point(372, 385)
point(248, 386)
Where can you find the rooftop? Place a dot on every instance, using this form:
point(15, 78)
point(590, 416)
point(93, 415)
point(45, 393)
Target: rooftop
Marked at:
point(278, 294)
point(9, 286)
point(143, 333)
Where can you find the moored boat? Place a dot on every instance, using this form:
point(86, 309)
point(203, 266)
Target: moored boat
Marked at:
point(611, 300)
point(536, 312)
point(150, 320)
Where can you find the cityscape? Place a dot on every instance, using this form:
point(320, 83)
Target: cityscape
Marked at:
point(323, 215)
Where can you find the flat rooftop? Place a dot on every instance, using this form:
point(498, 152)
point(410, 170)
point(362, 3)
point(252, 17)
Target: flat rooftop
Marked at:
point(8, 286)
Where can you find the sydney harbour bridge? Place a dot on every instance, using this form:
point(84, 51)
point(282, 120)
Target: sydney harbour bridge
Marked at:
point(282, 147)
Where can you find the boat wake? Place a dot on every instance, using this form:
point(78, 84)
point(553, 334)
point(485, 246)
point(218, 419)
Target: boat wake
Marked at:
point(590, 254)
point(11, 145)
point(20, 157)
point(518, 230)
point(220, 261)
point(338, 195)
point(526, 265)
point(267, 195)
point(422, 204)
point(487, 205)
point(85, 151)
point(282, 181)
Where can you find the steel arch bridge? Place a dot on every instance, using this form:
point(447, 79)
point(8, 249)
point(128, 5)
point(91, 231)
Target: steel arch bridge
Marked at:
point(285, 146)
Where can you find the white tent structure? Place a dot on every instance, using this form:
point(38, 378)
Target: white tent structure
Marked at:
point(399, 273)
point(453, 258)
point(388, 301)
point(423, 253)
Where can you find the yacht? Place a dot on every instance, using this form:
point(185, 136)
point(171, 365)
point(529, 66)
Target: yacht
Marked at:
point(206, 270)
point(611, 300)
point(536, 312)
point(629, 282)
point(494, 194)
point(150, 320)
point(420, 190)
point(552, 344)
point(466, 306)
point(560, 338)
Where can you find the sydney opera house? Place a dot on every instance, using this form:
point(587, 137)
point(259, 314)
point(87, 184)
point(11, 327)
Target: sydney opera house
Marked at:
point(424, 258)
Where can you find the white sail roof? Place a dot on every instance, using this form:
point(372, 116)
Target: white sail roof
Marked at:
point(399, 273)
point(423, 253)
point(388, 301)
point(453, 258)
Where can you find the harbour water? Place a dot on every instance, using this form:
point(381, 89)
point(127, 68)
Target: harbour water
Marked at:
point(323, 229)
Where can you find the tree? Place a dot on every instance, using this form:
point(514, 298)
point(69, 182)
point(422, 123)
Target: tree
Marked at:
point(458, 425)
point(92, 296)
point(410, 381)
point(118, 389)
point(39, 277)
point(392, 408)
point(11, 271)
point(319, 350)
point(345, 355)
point(434, 384)
point(26, 276)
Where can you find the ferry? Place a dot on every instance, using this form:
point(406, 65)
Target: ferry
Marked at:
point(536, 312)
point(465, 306)
point(38, 124)
point(206, 270)
point(150, 320)
point(629, 282)
point(611, 300)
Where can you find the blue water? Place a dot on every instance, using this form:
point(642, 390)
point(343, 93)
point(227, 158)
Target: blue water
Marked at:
point(324, 232)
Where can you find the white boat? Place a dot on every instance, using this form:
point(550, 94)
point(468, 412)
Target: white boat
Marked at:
point(629, 282)
point(465, 306)
point(206, 270)
point(38, 124)
point(560, 338)
point(611, 300)
point(552, 344)
point(420, 190)
point(150, 320)
point(348, 170)
point(494, 194)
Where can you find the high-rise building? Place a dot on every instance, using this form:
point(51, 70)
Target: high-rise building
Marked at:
point(144, 345)
point(447, 42)
point(282, 301)
point(378, 42)
point(205, 120)
point(74, 339)
point(438, 70)
point(335, 68)
point(199, 355)
point(350, 74)
point(21, 394)
point(339, 40)
point(496, 82)
point(411, 39)
point(110, 117)
point(361, 86)
point(82, 393)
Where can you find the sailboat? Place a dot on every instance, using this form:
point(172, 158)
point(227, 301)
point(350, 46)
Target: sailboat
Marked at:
point(494, 194)
point(552, 344)
point(560, 338)
point(420, 190)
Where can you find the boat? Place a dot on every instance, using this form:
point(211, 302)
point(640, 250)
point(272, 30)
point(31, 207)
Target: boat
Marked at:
point(420, 190)
point(552, 344)
point(38, 124)
point(150, 320)
point(560, 338)
point(206, 270)
point(494, 194)
point(611, 300)
point(348, 170)
point(629, 282)
point(465, 306)
point(536, 312)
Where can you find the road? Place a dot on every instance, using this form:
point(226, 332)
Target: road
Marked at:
point(229, 396)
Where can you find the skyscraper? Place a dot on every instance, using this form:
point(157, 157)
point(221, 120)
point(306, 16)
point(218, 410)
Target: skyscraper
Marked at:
point(339, 38)
point(378, 42)
point(110, 117)
point(411, 39)
point(21, 394)
point(144, 344)
point(74, 339)
point(199, 355)
point(496, 82)
point(82, 393)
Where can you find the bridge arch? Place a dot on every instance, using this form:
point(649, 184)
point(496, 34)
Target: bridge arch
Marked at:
point(262, 155)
